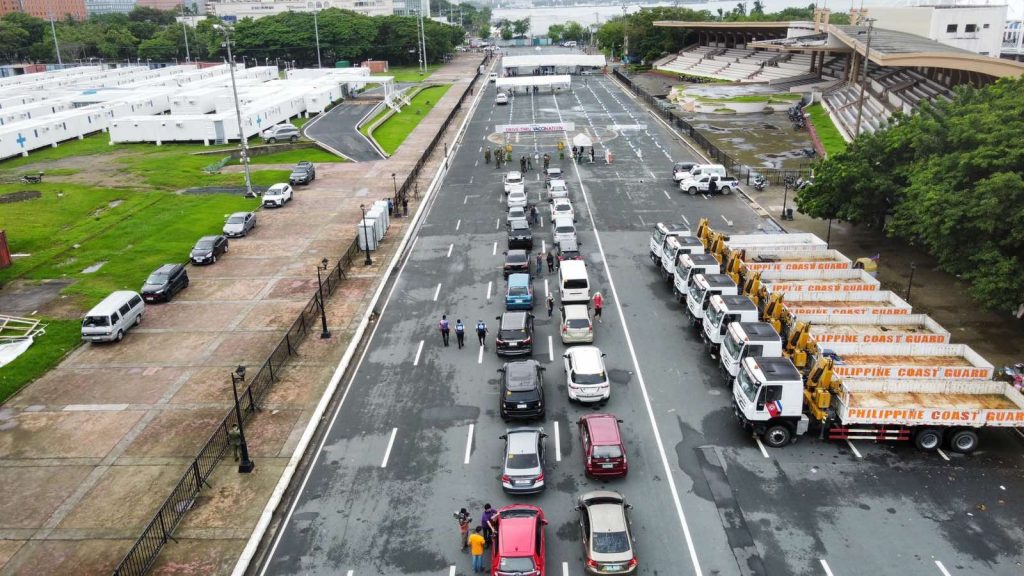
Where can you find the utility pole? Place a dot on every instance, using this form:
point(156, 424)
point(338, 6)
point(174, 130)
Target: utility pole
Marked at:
point(184, 30)
point(864, 81)
point(316, 30)
point(625, 33)
point(56, 46)
point(238, 113)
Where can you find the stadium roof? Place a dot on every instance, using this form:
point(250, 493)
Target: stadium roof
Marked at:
point(561, 60)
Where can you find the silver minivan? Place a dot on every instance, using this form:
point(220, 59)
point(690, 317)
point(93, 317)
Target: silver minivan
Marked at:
point(110, 319)
point(577, 327)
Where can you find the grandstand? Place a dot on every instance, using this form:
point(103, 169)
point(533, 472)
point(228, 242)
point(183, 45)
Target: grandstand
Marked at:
point(741, 65)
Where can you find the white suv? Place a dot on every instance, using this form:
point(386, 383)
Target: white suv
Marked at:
point(585, 374)
point(277, 195)
point(281, 132)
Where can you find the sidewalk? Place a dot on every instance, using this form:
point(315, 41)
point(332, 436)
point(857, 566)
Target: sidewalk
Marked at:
point(91, 450)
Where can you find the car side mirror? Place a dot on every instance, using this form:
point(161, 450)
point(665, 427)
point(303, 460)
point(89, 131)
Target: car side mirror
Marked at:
point(566, 355)
point(619, 420)
point(497, 317)
point(577, 508)
point(500, 370)
point(543, 435)
point(503, 437)
point(603, 355)
point(628, 506)
point(541, 368)
point(544, 522)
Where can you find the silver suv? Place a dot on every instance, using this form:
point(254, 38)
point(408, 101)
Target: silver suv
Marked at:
point(281, 132)
point(605, 531)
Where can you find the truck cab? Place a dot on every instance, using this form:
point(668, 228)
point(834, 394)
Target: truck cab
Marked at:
point(661, 233)
point(747, 340)
point(673, 248)
point(768, 400)
point(688, 266)
point(723, 311)
point(701, 289)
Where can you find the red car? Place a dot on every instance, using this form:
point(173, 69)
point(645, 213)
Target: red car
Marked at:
point(604, 452)
point(519, 550)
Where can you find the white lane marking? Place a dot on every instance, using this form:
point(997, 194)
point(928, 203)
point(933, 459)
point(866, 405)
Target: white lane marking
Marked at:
point(480, 149)
point(450, 246)
point(705, 196)
point(943, 454)
point(477, 163)
point(761, 446)
point(942, 568)
point(387, 453)
point(471, 178)
point(494, 249)
point(667, 194)
point(641, 220)
point(558, 444)
point(465, 199)
point(546, 293)
point(551, 349)
point(469, 444)
point(676, 499)
point(497, 223)
point(685, 221)
point(458, 224)
point(544, 246)
point(1019, 433)
point(419, 350)
point(489, 284)
point(854, 448)
point(480, 356)
point(350, 573)
point(824, 566)
point(437, 291)
point(727, 221)
point(451, 571)
point(565, 569)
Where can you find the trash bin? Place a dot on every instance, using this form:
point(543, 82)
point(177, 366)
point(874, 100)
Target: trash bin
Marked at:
point(789, 214)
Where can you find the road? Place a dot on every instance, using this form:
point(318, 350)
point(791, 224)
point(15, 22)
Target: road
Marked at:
point(416, 435)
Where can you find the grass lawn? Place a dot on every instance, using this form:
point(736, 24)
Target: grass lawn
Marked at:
point(314, 154)
point(829, 135)
point(410, 73)
point(746, 98)
point(393, 132)
point(61, 337)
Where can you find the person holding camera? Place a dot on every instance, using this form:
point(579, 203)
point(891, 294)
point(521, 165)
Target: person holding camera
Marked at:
point(462, 517)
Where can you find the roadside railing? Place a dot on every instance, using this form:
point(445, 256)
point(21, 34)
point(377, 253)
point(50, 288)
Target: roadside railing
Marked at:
point(739, 170)
point(160, 529)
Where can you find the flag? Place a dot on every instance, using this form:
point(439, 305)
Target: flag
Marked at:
point(774, 408)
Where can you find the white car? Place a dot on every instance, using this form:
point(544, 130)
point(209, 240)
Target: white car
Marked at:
point(585, 375)
point(277, 195)
point(517, 198)
point(501, 98)
point(557, 189)
point(514, 181)
point(562, 207)
point(564, 229)
point(517, 213)
point(493, 77)
point(577, 326)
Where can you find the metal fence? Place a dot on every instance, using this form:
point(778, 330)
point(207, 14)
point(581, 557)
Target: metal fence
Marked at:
point(739, 170)
point(143, 553)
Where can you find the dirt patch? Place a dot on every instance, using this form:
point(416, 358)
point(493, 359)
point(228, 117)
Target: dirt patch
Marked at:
point(23, 297)
point(20, 196)
point(102, 170)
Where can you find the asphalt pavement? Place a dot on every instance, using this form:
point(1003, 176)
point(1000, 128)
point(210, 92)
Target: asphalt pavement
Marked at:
point(416, 435)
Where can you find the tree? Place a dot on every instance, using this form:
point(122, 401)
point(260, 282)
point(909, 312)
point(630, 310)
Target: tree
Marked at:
point(160, 49)
point(758, 9)
point(555, 32)
point(521, 27)
point(575, 31)
point(13, 41)
point(484, 31)
point(506, 31)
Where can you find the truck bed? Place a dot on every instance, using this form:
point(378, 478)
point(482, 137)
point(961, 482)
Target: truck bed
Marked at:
point(761, 259)
point(909, 328)
point(972, 403)
point(831, 285)
point(908, 361)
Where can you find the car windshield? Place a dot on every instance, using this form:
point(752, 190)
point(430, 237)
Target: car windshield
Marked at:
point(607, 452)
point(596, 378)
point(747, 385)
point(94, 321)
point(697, 293)
point(610, 542)
point(204, 245)
point(520, 564)
point(578, 323)
point(507, 334)
point(276, 190)
point(658, 236)
point(521, 461)
point(733, 346)
point(236, 220)
point(575, 284)
point(567, 229)
point(516, 258)
point(563, 208)
point(156, 278)
point(715, 316)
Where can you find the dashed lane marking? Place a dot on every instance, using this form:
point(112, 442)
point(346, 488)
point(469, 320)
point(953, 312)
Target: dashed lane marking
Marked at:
point(480, 356)
point(761, 446)
point(558, 444)
point(469, 444)
point(943, 454)
point(450, 247)
point(667, 194)
point(551, 349)
point(854, 449)
point(489, 285)
point(824, 565)
point(494, 250)
point(942, 568)
point(391, 443)
point(458, 225)
point(419, 350)
point(497, 223)
point(437, 291)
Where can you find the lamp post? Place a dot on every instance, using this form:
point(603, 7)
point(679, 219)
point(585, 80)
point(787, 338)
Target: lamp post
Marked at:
point(910, 282)
point(864, 81)
point(184, 30)
point(625, 33)
point(238, 112)
point(828, 237)
point(316, 30)
point(366, 241)
point(785, 196)
point(245, 465)
point(394, 182)
point(56, 45)
point(324, 332)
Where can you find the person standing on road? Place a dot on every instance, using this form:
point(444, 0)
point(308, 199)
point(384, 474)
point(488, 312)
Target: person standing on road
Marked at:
point(405, 206)
point(591, 154)
point(487, 155)
point(551, 262)
point(534, 216)
point(462, 517)
point(547, 161)
point(574, 151)
point(444, 327)
point(712, 187)
point(522, 164)
point(235, 439)
point(540, 265)
point(598, 305)
point(485, 521)
point(476, 548)
point(529, 164)
point(460, 333)
point(551, 304)
point(481, 333)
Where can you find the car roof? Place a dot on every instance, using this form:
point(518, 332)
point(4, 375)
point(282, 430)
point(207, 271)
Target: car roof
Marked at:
point(569, 244)
point(233, 214)
point(522, 440)
point(278, 186)
point(207, 239)
point(519, 224)
point(112, 303)
point(586, 356)
point(514, 174)
point(166, 268)
point(604, 429)
point(513, 320)
point(561, 201)
point(606, 512)
point(517, 209)
point(563, 221)
point(519, 373)
point(518, 279)
point(518, 253)
point(576, 311)
point(518, 524)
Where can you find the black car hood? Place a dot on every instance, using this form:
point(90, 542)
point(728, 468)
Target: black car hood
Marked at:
point(153, 287)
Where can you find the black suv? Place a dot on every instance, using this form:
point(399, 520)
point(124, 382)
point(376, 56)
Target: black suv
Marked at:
point(520, 235)
point(522, 390)
point(516, 262)
point(569, 250)
point(303, 173)
point(515, 334)
point(164, 283)
point(208, 248)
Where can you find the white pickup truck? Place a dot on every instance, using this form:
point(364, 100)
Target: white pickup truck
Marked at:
point(723, 184)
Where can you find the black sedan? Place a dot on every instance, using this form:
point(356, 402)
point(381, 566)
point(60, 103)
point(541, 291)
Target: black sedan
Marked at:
point(520, 235)
point(208, 248)
point(516, 262)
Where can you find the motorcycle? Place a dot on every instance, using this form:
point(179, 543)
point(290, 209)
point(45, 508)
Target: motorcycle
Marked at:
point(32, 178)
point(1013, 375)
point(760, 183)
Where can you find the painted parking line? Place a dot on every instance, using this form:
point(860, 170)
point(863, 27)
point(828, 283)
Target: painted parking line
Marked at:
point(726, 220)
point(458, 225)
point(942, 568)
point(761, 446)
point(350, 573)
point(551, 349)
point(469, 444)
point(451, 571)
point(667, 194)
point(437, 291)
point(565, 569)
point(943, 454)
point(1019, 433)
point(494, 250)
point(824, 566)
point(387, 452)
point(450, 246)
point(544, 246)
point(465, 199)
point(558, 444)
point(489, 285)
point(480, 356)
point(854, 449)
point(419, 350)
point(546, 292)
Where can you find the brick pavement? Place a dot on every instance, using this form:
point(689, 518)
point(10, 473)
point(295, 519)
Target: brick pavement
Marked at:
point(89, 451)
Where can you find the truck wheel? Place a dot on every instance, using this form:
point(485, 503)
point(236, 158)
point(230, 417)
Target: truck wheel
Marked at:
point(692, 190)
point(964, 442)
point(777, 436)
point(928, 440)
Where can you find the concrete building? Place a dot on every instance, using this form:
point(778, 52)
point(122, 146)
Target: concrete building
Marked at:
point(163, 4)
point(1013, 41)
point(232, 10)
point(57, 9)
point(977, 29)
point(109, 6)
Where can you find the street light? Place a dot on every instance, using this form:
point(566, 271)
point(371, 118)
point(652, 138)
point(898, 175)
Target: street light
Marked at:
point(394, 182)
point(366, 241)
point(864, 82)
point(324, 332)
point(785, 195)
point(316, 30)
point(246, 464)
point(910, 282)
point(238, 112)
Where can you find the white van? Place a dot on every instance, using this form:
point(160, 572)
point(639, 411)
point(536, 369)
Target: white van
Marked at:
point(702, 169)
point(573, 284)
point(564, 229)
point(111, 318)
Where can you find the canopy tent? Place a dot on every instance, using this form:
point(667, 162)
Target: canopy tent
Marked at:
point(527, 82)
point(582, 139)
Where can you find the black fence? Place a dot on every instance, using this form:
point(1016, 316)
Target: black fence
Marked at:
point(739, 170)
point(143, 553)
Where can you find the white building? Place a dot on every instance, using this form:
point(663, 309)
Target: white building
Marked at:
point(232, 10)
point(978, 29)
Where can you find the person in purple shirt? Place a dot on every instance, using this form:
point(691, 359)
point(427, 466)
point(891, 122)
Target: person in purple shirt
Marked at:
point(485, 521)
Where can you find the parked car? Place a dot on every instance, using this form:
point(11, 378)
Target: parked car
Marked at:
point(562, 207)
point(563, 229)
point(239, 224)
point(513, 181)
point(521, 394)
point(585, 375)
point(520, 547)
point(517, 213)
point(522, 469)
point(519, 292)
point(501, 98)
point(492, 77)
point(605, 530)
point(604, 452)
point(208, 248)
point(164, 283)
point(520, 235)
point(303, 173)
point(576, 325)
point(277, 195)
point(281, 132)
point(568, 250)
point(515, 334)
point(557, 189)
point(681, 169)
point(113, 316)
point(516, 261)
point(553, 173)
point(517, 198)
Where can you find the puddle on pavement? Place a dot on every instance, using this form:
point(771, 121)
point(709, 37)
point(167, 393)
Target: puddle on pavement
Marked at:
point(757, 139)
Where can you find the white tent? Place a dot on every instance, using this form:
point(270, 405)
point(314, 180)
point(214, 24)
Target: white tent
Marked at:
point(582, 140)
point(526, 82)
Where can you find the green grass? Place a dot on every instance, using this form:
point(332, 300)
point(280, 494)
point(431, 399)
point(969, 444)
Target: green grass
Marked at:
point(748, 98)
point(410, 73)
point(829, 135)
point(61, 337)
point(314, 154)
point(395, 129)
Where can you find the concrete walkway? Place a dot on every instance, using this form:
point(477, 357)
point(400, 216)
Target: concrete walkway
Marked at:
point(89, 451)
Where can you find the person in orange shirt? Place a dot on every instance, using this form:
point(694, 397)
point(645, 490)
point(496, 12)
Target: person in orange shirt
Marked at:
point(476, 549)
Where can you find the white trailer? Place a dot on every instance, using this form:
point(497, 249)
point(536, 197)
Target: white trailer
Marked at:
point(828, 329)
